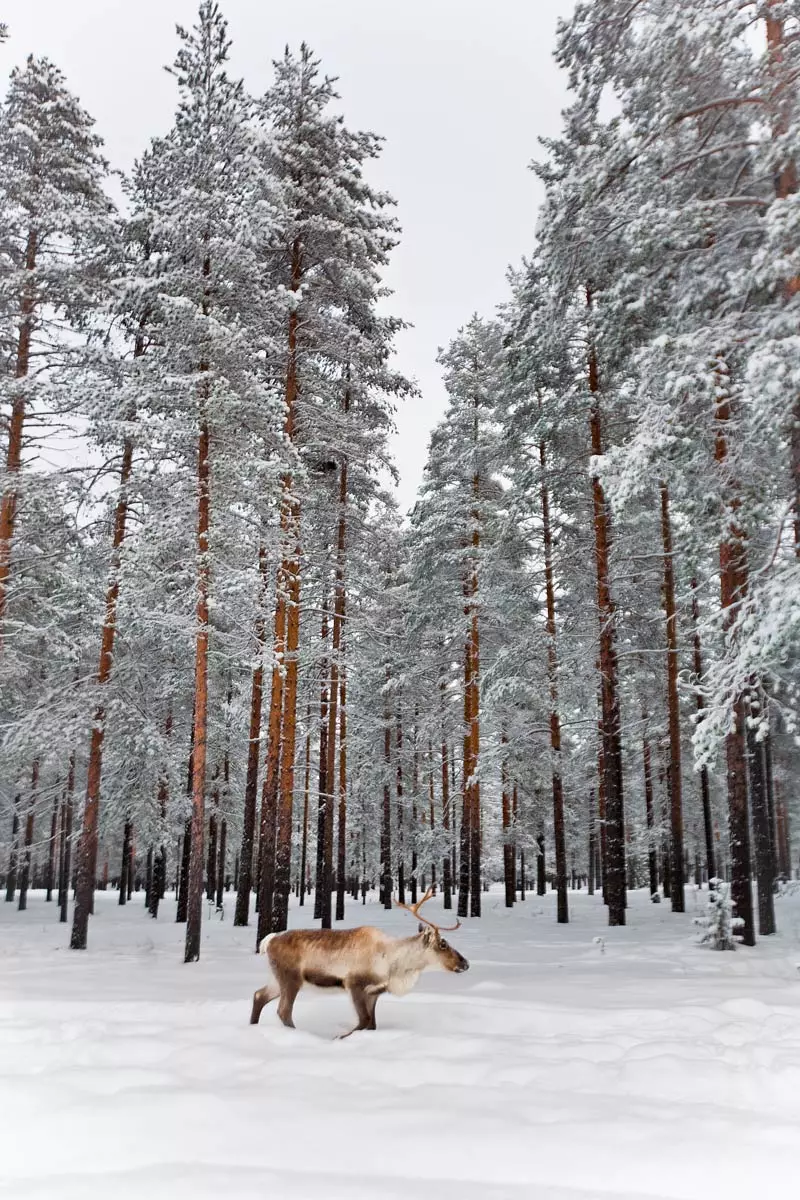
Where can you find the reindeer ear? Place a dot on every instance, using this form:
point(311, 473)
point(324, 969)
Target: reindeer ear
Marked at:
point(428, 934)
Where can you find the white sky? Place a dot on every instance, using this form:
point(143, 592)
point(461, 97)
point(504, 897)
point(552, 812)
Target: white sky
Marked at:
point(460, 89)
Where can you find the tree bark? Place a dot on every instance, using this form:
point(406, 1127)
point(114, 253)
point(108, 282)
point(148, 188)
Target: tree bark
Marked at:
point(342, 825)
point(609, 672)
point(733, 589)
point(783, 90)
point(245, 880)
point(322, 787)
point(25, 875)
point(8, 507)
point(386, 825)
point(290, 576)
point(13, 858)
point(87, 845)
point(555, 719)
point(509, 849)
point(677, 881)
point(125, 861)
point(705, 791)
point(765, 864)
point(66, 843)
point(269, 791)
point(652, 853)
point(194, 911)
point(306, 796)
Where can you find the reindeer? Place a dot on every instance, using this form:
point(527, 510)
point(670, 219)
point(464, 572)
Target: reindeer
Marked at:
point(366, 962)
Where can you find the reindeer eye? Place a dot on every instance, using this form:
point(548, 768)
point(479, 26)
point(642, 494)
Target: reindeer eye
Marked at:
point(444, 944)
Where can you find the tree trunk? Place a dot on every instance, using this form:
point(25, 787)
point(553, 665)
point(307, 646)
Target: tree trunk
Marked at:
point(705, 792)
point(447, 877)
point(211, 855)
point(245, 879)
point(29, 824)
point(322, 787)
point(269, 791)
point(509, 850)
point(652, 854)
point(290, 577)
point(125, 861)
point(401, 866)
point(733, 589)
point(781, 100)
point(592, 852)
point(342, 826)
point(677, 880)
point(306, 795)
point(13, 858)
point(541, 874)
point(8, 507)
point(609, 672)
point(765, 864)
point(194, 911)
point(66, 841)
point(555, 719)
point(87, 845)
point(223, 849)
point(386, 826)
point(50, 878)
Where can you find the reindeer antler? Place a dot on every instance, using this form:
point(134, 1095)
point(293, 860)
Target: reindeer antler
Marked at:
point(414, 910)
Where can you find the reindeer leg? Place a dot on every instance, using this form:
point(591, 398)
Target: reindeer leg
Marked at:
point(261, 999)
point(372, 1000)
point(364, 1004)
point(290, 983)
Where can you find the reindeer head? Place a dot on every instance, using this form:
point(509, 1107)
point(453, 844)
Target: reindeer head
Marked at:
point(440, 953)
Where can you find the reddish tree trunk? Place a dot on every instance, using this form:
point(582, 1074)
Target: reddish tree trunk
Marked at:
point(609, 673)
point(8, 506)
point(290, 576)
point(677, 880)
point(509, 850)
point(322, 787)
point(87, 846)
point(194, 912)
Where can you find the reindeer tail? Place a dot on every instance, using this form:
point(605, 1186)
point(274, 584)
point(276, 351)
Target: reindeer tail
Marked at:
point(264, 943)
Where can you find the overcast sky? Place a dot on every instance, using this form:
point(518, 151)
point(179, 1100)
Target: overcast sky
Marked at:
point(460, 89)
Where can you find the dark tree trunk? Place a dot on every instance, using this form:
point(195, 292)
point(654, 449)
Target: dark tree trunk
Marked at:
point(306, 798)
point(223, 849)
point(705, 792)
point(652, 855)
point(13, 858)
point(733, 589)
point(50, 878)
point(386, 824)
point(25, 875)
point(341, 849)
point(125, 861)
point(541, 874)
point(677, 880)
point(322, 790)
point(447, 877)
point(762, 842)
point(244, 882)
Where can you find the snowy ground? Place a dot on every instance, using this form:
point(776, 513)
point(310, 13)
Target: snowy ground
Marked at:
point(556, 1069)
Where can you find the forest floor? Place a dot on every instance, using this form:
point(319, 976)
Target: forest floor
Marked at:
point(558, 1068)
